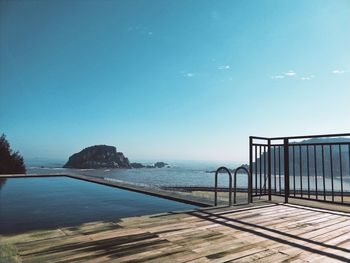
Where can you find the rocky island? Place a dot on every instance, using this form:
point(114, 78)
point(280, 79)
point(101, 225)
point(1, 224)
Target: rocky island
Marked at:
point(98, 156)
point(104, 156)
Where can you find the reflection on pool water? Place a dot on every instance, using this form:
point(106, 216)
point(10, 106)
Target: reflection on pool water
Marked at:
point(43, 203)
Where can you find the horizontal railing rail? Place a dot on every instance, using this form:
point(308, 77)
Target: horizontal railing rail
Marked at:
point(302, 136)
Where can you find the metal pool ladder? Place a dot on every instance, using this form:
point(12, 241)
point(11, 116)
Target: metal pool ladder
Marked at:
point(230, 184)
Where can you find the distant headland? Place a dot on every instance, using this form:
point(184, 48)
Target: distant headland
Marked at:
point(156, 165)
point(104, 156)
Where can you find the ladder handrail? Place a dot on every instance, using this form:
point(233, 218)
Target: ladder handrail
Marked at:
point(216, 185)
point(235, 182)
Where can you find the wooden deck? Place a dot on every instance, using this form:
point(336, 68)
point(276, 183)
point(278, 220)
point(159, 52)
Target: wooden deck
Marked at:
point(266, 233)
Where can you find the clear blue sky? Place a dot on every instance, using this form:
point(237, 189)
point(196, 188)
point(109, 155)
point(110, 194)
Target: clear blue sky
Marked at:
point(171, 79)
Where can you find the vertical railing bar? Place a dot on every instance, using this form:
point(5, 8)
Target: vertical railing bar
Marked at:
point(250, 176)
point(301, 173)
point(323, 174)
point(256, 170)
point(341, 174)
point(230, 188)
point(286, 170)
point(216, 189)
point(260, 169)
point(308, 171)
point(274, 168)
point(315, 159)
point(294, 169)
point(279, 169)
point(349, 158)
point(269, 169)
point(331, 156)
point(265, 169)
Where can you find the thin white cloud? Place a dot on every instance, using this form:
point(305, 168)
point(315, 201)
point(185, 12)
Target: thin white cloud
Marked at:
point(290, 73)
point(135, 28)
point(338, 71)
point(189, 75)
point(223, 67)
point(310, 77)
point(141, 30)
point(277, 77)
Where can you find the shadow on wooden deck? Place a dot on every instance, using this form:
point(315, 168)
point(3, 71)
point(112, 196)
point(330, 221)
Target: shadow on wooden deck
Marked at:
point(264, 233)
point(218, 218)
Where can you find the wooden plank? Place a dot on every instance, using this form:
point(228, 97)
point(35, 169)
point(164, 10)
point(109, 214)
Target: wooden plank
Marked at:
point(259, 234)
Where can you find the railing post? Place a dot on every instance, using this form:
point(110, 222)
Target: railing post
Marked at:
point(269, 168)
point(250, 177)
point(286, 169)
point(216, 189)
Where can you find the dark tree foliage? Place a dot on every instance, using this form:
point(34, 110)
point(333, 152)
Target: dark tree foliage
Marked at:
point(10, 162)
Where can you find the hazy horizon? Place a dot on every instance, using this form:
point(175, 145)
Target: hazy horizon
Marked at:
point(171, 80)
point(58, 162)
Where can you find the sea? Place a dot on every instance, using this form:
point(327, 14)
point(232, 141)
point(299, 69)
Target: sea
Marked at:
point(184, 174)
point(177, 173)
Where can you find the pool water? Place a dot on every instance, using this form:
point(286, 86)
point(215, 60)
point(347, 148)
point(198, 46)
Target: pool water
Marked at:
point(51, 202)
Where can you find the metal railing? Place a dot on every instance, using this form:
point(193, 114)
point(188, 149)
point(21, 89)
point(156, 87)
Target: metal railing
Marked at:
point(314, 167)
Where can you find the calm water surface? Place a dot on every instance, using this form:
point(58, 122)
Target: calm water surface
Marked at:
point(40, 203)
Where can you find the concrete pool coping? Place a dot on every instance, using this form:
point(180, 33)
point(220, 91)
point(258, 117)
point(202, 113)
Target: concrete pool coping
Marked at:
point(157, 192)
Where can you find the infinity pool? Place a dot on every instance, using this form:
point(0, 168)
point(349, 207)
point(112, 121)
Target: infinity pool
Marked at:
point(52, 202)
